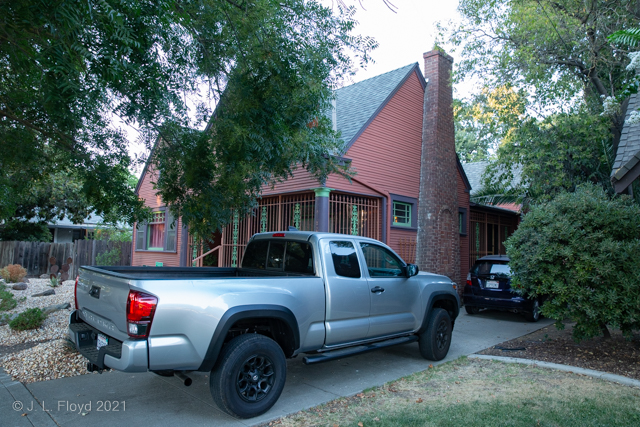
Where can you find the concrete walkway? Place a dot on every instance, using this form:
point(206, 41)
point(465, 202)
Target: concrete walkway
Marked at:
point(117, 398)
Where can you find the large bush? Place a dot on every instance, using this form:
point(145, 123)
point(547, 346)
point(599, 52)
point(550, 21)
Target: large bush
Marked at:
point(582, 251)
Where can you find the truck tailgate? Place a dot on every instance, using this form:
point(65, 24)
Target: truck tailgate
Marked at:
point(102, 302)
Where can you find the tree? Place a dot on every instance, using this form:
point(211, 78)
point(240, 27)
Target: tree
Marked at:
point(579, 251)
point(70, 68)
point(541, 158)
point(485, 120)
point(555, 49)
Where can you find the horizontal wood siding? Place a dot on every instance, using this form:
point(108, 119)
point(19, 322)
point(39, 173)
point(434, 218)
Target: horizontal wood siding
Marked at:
point(387, 154)
point(301, 181)
point(404, 243)
point(168, 259)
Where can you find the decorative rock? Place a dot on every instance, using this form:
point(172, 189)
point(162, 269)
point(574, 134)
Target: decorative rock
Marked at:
point(19, 286)
point(50, 309)
point(44, 276)
point(7, 318)
point(45, 293)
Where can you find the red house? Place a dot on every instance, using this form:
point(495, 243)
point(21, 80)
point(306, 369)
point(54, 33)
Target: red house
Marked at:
point(410, 190)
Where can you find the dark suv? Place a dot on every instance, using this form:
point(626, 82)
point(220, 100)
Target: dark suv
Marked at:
point(489, 286)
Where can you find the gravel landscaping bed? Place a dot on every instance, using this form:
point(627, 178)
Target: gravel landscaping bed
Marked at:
point(40, 354)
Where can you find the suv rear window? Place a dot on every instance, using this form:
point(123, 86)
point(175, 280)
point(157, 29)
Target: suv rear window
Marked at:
point(492, 267)
point(280, 255)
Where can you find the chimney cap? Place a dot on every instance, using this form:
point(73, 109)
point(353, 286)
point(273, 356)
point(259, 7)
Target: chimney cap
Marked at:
point(440, 52)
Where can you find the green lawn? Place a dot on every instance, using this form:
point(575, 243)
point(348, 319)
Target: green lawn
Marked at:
point(473, 392)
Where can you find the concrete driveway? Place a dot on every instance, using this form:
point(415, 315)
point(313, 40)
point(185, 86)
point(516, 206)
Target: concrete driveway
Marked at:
point(146, 399)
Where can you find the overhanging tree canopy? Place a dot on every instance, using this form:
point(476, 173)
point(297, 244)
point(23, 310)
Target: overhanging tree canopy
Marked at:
point(70, 67)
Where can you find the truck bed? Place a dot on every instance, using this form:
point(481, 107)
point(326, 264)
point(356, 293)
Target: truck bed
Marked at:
point(172, 273)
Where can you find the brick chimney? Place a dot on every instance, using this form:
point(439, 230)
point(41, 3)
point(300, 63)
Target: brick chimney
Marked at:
point(438, 247)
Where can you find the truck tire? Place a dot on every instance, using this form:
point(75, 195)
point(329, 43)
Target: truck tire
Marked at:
point(435, 340)
point(249, 376)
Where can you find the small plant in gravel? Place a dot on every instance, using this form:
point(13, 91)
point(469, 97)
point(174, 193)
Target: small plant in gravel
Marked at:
point(7, 301)
point(31, 318)
point(13, 273)
point(54, 282)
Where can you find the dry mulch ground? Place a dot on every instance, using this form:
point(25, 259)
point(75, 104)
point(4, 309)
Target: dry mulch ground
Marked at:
point(616, 355)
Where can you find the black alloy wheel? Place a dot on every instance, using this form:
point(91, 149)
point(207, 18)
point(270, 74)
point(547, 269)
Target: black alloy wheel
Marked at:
point(249, 376)
point(435, 341)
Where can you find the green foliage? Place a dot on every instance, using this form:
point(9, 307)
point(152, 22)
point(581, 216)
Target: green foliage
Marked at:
point(540, 158)
point(111, 233)
point(630, 37)
point(69, 67)
point(53, 282)
point(7, 300)
point(24, 231)
point(581, 250)
point(13, 273)
point(484, 121)
point(31, 318)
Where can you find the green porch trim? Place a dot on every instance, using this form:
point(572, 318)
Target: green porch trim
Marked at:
point(322, 191)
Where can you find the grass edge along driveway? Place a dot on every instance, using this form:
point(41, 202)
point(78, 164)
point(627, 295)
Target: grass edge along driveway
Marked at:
point(473, 392)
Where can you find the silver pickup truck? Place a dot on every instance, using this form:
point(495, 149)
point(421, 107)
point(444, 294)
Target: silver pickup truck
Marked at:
point(324, 295)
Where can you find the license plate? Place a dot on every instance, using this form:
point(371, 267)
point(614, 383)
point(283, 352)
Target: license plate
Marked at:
point(492, 284)
point(102, 341)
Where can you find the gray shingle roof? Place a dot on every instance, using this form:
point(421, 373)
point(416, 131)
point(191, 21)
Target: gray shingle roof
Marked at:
point(475, 170)
point(356, 105)
point(628, 154)
point(474, 173)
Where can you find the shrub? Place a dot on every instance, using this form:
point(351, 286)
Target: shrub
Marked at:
point(581, 250)
point(31, 318)
point(7, 301)
point(13, 273)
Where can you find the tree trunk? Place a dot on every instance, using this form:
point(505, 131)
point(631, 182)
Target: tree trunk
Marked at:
point(605, 331)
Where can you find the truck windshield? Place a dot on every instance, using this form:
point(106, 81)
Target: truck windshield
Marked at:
point(280, 255)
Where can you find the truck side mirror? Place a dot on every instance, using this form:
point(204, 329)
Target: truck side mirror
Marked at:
point(412, 270)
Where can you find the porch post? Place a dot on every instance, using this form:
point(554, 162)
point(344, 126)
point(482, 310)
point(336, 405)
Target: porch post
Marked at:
point(321, 214)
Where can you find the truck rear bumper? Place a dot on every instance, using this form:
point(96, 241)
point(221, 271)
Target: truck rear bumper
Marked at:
point(126, 356)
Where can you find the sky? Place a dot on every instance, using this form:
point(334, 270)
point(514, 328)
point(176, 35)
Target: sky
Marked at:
point(402, 37)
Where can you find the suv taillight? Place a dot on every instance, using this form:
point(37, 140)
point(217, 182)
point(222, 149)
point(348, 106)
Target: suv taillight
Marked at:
point(75, 292)
point(140, 310)
point(469, 283)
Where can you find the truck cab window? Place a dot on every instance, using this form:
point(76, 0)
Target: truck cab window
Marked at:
point(381, 262)
point(256, 255)
point(345, 259)
point(298, 259)
point(275, 260)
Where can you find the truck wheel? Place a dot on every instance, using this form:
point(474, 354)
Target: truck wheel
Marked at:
point(435, 340)
point(249, 376)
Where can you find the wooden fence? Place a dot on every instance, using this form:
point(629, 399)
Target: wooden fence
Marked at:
point(34, 256)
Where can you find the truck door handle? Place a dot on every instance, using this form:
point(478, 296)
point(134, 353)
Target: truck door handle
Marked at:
point(377, 290)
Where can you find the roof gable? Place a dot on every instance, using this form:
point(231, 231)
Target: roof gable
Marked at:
point(628, 154)
point(358, 104)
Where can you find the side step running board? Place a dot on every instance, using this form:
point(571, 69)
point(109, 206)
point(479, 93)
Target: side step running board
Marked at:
point(352, 351)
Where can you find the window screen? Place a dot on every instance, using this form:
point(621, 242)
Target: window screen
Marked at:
point(345, 259)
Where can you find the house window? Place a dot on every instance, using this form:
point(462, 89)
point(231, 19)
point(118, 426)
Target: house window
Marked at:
point(401, 214)
point(404, 212)
point(159, 234)
point(155, 232)
point(462, 221)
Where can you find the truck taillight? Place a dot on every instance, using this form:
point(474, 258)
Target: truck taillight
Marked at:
point(469, 283)
point(75, 292)
point(140, 310)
